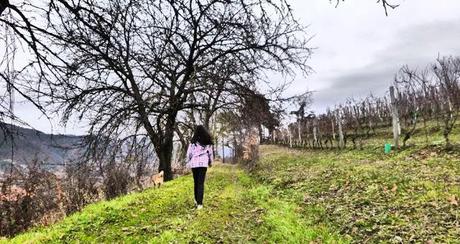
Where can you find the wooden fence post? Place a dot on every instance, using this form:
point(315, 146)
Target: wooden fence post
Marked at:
point(333, 129)
point(299, 130)
point(395, 116)
point(341, 138)
point(315, 133)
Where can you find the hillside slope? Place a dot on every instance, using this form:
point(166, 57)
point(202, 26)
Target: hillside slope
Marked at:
point(371, 197)
point(237, 210)
point(30, 144)
point(292, 196)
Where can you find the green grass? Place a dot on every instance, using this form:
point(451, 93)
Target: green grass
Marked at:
point(291, 196)
point(237, 210)
point(369, 196)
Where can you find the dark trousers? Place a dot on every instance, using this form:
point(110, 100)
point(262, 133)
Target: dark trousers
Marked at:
point(198, 178)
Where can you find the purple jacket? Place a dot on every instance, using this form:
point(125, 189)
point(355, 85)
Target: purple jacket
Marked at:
point(198, 155)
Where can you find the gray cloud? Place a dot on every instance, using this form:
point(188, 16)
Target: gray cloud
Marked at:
point(416, 46)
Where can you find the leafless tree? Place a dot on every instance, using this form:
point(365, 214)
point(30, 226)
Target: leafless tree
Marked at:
point(407, 103)
point(3, 5)
point(131, 67)
point(385, 4)
point(447, 73)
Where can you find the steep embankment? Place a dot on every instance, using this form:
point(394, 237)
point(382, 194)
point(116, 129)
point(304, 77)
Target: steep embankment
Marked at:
point(237, 210)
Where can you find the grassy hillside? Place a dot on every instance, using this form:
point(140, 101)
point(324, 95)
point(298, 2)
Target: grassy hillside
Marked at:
point(237, 210)
point(411, 196)
point(292, 196)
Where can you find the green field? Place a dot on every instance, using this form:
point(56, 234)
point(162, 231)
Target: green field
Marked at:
point(292, 196)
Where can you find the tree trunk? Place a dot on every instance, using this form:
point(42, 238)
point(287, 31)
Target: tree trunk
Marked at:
point(164, 153)
point(260, 132)
point(223, 150)
point(207, 120)
point(164, 147)
point(183, 154)
point(3, 5)
point(446, 137)
point(425, 130)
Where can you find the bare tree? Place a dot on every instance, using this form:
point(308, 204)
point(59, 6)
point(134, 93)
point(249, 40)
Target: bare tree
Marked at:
point(385, 4)
point(3, 5)
point(447, 73)
point(407, 104)
point(131, 67)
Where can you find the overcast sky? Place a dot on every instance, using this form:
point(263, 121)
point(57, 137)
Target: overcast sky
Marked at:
point(357, 48)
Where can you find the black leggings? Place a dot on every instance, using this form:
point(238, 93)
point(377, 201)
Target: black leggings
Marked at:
point(198, 177)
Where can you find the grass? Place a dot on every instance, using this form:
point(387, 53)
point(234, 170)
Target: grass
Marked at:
point(291, 196)
point(369, 196)
point(237, 210)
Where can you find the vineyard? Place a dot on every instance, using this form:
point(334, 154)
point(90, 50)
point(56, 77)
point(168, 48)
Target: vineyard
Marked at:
point(423, 102)
point(103, 99)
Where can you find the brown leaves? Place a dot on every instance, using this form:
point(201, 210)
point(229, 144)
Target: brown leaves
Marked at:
point(317, 241)
point(306, 198)
point(257, 210)
point(453, 200)
point(395, 188)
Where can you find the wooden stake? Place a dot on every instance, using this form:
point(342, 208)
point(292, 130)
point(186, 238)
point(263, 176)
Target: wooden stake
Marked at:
point(341, 138)
point(394, 113)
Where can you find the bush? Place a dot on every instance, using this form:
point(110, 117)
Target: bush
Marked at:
point(26, 197)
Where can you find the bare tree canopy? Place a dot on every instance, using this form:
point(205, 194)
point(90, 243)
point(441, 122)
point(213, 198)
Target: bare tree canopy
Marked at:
point(3, 5)
point(134, 68)
point(385, 4)
point(130, 67)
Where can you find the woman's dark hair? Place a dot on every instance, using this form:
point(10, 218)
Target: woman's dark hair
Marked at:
point(202, 136)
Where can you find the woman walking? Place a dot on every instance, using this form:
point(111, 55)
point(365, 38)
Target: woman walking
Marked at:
point(199, 158)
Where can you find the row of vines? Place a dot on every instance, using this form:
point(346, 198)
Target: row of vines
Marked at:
point(420, 103)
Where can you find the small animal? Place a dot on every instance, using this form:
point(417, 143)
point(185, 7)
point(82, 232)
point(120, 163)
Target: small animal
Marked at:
point(158, 179)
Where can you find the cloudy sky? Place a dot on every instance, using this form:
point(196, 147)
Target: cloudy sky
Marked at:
point(357, 48)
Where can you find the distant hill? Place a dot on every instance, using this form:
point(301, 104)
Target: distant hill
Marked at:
point(23, 145)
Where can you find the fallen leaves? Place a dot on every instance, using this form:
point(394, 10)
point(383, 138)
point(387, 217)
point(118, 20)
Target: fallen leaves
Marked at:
point(393, 189)
point(453, 200)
